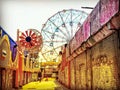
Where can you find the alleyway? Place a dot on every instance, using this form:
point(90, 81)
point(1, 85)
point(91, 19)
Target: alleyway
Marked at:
point(45, 84)
point(74, 50)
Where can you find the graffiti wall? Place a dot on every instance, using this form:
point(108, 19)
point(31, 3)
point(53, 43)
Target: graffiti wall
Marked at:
point(108, 9)
point(101, 15)
point(94, 18)
point(102, 70)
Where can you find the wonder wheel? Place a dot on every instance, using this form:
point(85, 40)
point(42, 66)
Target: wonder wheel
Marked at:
point(59, 29)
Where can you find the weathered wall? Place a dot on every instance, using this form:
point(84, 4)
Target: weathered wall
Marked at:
point(66, 75)
point(72, 74)
point(97, 67)
point(104, 63)
point(80, 75)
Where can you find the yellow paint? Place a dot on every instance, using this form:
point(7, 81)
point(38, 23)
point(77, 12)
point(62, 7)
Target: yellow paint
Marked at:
point(43, 85)
point(11, 64)
point(103, 77)
point(6, 47)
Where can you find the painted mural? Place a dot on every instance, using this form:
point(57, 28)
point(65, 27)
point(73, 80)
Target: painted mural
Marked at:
point(8, 46)
point(8, 53)
point(108, 9)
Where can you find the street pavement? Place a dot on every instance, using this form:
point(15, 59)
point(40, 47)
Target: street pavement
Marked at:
point(45, 84)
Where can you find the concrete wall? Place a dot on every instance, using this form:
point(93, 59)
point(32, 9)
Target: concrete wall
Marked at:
point(97, 67)
point(80, 75)
point(72, 75)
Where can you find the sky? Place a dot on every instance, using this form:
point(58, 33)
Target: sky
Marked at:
point(26, 14)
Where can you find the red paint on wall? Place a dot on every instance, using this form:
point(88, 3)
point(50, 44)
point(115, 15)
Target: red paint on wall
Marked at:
point(69, 74)
point(16, 80)
point(20, 70)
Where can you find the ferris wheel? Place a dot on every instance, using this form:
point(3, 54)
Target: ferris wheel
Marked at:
point(59, 29)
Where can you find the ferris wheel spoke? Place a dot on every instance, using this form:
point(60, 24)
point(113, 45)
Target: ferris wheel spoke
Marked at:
point(76, 17)
point(58, 28)
point(56, 50)
point(71, 24)
point(55, 34)
point(67, 17)
point(64, 25)
point(44, 57)
point(47, 35)
point(53, 48)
